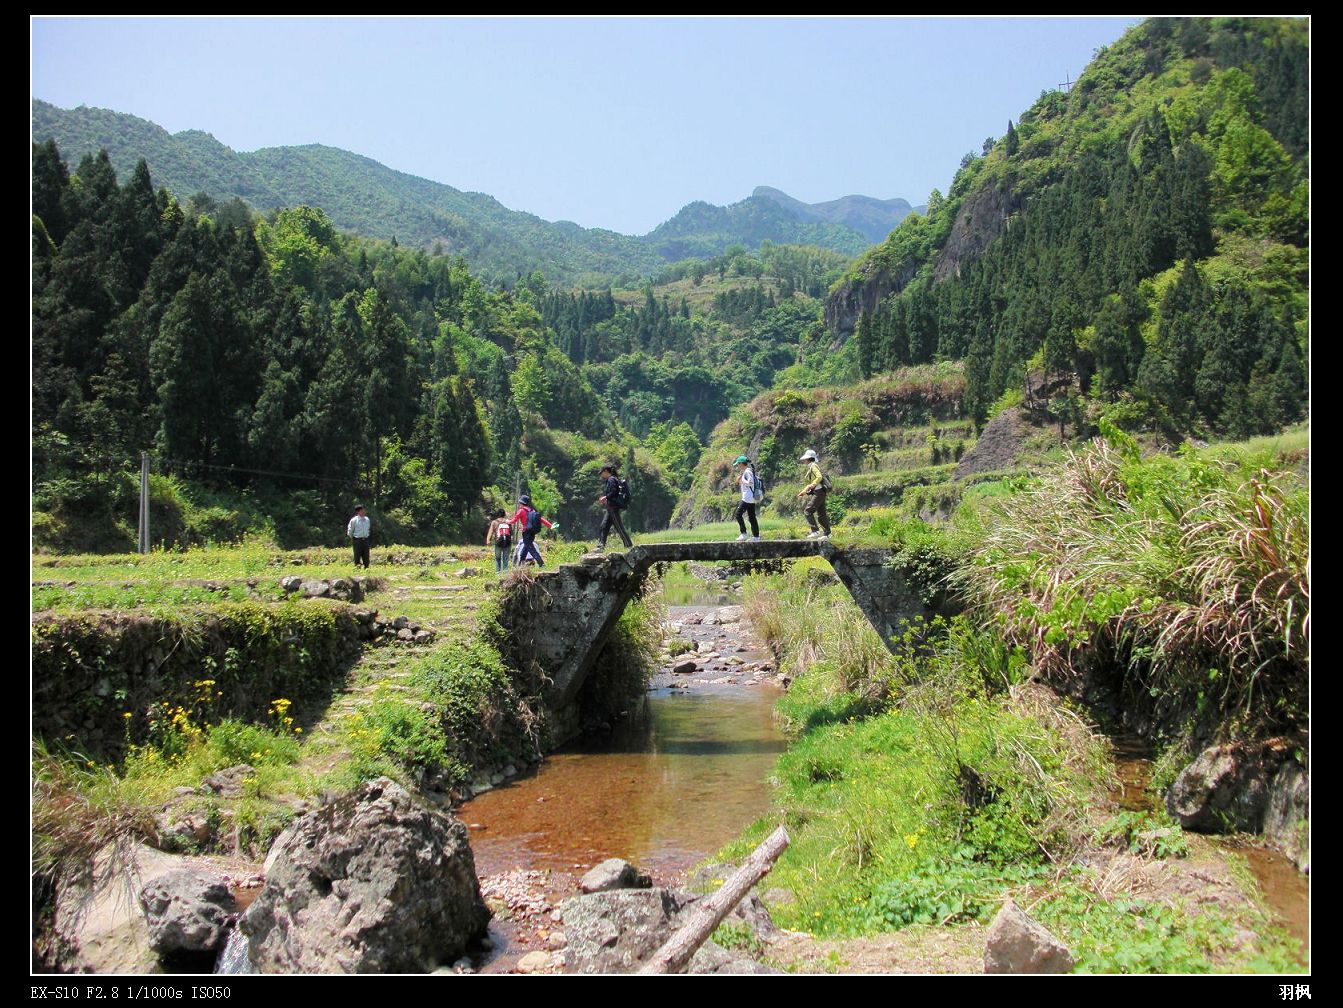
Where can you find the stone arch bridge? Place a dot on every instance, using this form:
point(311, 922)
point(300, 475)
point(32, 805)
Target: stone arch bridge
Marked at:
point(559, 621)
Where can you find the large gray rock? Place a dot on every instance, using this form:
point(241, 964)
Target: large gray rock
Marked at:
point(97, 924)
point(1015, 943)
point(187, 911)
point(372, 883)
point(131, 904)
point(613, 932)
point(1241, 786)
point(617, 931)
point(613, 873)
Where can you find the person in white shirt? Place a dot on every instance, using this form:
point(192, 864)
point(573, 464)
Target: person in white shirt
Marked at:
point(750, 497)
point(358, 530)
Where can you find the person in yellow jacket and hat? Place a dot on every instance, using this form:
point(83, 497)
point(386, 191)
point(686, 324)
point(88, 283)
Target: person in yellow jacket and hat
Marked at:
point(818, 486)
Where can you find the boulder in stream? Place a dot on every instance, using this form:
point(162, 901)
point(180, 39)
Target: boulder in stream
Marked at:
point(1242, 786)
point(617, 931)
point(187, 911)
point(130, 906)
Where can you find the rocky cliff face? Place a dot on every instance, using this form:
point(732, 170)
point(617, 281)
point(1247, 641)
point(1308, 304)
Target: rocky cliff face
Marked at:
point(981, 219)
point(858, 297)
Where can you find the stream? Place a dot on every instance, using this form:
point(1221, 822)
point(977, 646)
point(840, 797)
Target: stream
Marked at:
point(664, 790)
point(1285, 891)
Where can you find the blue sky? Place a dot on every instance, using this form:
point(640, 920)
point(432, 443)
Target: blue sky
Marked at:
point(608, 122)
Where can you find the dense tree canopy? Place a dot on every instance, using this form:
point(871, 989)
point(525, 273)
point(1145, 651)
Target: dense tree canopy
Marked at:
point(1147, 239)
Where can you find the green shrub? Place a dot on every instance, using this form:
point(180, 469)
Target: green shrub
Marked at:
point(1192, 572)
point(232, 742)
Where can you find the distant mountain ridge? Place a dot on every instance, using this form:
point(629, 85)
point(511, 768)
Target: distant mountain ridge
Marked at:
point(365, 196)
point(874, 219)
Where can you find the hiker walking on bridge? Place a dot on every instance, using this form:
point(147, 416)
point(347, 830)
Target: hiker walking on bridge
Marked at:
point(615, 498)
point(818, 486)
point(752, 492)
point(529, 521)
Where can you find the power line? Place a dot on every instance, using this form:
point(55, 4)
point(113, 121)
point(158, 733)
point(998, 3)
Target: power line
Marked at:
point(258, 472)
point(129, 462)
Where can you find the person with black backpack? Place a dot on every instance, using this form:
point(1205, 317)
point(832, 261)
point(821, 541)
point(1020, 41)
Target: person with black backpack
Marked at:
point(752, 493)
point(615, 498)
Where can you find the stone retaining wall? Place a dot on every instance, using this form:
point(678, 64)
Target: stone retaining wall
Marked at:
point(88, 671)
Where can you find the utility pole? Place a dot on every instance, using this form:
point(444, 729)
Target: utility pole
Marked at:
point(144, 502)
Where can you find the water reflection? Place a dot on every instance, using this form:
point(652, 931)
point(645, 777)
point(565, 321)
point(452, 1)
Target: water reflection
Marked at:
point(662, 793)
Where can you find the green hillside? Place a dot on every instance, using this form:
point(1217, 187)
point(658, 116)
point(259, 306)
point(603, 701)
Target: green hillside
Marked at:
point(1140, 241)
point(360, 195)
point(357, 193)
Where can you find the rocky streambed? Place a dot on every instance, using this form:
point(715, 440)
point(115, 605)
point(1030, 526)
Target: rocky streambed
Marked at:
point(664, 789)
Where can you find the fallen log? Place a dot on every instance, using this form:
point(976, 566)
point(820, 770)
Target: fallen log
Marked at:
point(703, 916)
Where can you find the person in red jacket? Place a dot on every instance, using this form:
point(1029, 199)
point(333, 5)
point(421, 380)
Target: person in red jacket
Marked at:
point(529, 528)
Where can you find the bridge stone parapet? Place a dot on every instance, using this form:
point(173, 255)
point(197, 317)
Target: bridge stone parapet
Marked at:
point(558, 621)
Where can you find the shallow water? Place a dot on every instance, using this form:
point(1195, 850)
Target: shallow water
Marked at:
point(663, 793)
point(1285, 890)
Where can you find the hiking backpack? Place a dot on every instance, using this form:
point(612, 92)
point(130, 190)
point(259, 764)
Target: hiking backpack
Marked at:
point(757, 487)
point(621, 498)
point(533, 520)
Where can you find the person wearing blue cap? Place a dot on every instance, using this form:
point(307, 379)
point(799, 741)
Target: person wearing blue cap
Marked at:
point(752, 492)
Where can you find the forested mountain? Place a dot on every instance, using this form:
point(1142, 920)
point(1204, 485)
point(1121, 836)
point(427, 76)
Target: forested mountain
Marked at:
point(368, 198)
point(701, 229)
point(277, 359)
point(357, 194)
point(1133, 251)
point(1141, 240)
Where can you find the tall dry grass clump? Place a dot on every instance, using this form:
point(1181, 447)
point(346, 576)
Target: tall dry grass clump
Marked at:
point(1192, 573)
